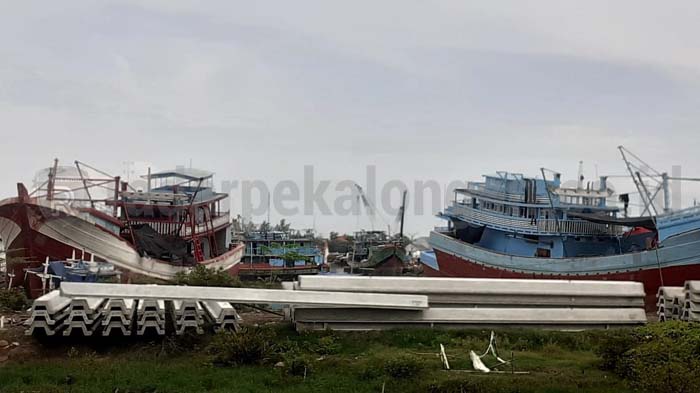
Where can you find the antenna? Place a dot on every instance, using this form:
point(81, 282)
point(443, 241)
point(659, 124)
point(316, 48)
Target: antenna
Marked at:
point(269, 206)
point(403, 214)
point(640, 170)
point(551, 201)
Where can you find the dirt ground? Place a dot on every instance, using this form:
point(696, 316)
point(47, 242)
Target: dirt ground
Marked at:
point(16, 346)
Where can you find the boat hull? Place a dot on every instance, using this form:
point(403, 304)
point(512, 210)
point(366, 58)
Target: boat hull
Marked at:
point(671, 266)
point(36, 230)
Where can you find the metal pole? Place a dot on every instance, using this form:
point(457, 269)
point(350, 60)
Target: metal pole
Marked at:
point(551, 202)
point(634, 178)
point(52, 179)
point(403, 215)
point(667, 196)
point(116, 195)
point(646, 192)
point(80, 172)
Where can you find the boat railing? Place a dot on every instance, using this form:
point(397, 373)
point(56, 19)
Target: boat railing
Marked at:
point(532, 226)
point(217, 222)
point(678, 216)
point(169, 227)
point(266, 251)
point(479, 189)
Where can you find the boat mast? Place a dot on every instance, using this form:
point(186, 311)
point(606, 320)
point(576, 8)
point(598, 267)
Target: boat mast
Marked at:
point(403, 215)
point(551, 201)
point(82, 178)
point(636, 172)
point(52, 180)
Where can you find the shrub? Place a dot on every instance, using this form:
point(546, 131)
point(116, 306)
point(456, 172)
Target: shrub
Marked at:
point(656, 358)
point(13, 299)
point(326, 345)
point(665, 358)
point(252, 346)
point(613, 347)
point(403, 367)
point(202, 276)
point(298, 366)
point(461, 386)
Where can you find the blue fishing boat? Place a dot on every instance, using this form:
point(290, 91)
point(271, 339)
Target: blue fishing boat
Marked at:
point(515, 226)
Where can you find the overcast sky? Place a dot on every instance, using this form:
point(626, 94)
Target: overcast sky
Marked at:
point(440, 90)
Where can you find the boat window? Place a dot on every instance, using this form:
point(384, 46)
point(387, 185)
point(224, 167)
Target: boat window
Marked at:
point(544, 253)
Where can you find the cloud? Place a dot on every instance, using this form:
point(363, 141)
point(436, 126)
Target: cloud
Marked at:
point(426, 90)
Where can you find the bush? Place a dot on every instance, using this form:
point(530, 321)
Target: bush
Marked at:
point(613, 347)
point(13, 299)
point(657, 358)
point(252, 346)
point(201, 276)
point(403, 367)
point(298, 366)
point(666, 358)
point(326, 345)
point(462, 386)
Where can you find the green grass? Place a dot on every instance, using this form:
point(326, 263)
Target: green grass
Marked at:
point(338, 362)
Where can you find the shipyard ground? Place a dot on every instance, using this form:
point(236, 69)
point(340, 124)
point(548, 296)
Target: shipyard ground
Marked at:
point(334, 362)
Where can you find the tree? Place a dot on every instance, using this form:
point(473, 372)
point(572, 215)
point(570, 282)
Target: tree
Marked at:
point(283, 226)
point(290, 257)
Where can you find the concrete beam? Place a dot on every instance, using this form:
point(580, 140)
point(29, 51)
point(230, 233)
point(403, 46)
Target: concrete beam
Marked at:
point(361, 327)
point(481, 286)
point(504, 316)
point(49, 319)
point(247, 295)
point(52, 302)
point(156, 326)
point(43, 327)
point(118, 326)
point(84, 329)
point(492, 300)
point(693, 287)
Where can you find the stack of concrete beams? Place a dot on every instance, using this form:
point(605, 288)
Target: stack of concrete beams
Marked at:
point(117, 316)
point(222, 315)
point(679, 303)
point(85, 315)
point(188, 315)
point(691, 310)
point(48, 314)
point(666, 299)
point(150, 315)
point(137, 309)
point(463, 303)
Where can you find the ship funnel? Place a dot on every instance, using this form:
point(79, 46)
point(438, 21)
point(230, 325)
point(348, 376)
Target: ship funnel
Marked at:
point(603, 183)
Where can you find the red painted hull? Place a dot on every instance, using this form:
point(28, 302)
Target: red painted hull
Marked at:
point(265, 269)
point(454, 266)
point(29, 248)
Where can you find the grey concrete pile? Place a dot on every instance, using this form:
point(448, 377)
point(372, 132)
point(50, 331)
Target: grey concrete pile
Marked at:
point(188, 315)
point(55, 313)
point(667, 301)
point(123, 309)
point(221, 315)
point(117, 316)
point(150, 315)
point(84, 315)
point(342, 303)
point(462, 303)
point(679, 303)
point(48, 314)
